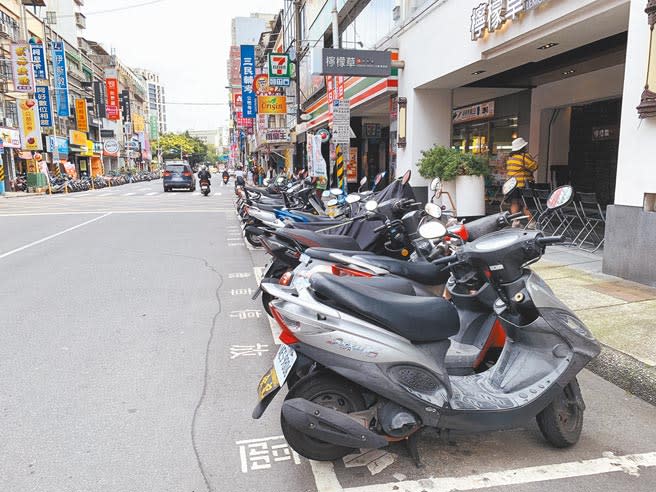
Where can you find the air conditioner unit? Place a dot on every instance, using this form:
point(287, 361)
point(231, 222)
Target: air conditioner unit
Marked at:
point(4, 30)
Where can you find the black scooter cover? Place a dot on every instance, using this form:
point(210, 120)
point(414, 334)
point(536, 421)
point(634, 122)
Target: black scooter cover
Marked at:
point(363, 230)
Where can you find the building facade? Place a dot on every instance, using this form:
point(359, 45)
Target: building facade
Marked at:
point(156, 107)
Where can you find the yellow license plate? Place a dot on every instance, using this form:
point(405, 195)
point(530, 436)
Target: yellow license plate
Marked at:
point(268, 384)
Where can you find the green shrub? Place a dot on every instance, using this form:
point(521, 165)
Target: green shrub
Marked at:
point(447, 163)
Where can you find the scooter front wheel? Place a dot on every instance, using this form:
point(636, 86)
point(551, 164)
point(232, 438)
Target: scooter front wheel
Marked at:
point(329, 391)
point(562, 421)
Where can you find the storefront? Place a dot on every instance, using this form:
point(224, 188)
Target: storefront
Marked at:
point(10, 138)
point(57, 150)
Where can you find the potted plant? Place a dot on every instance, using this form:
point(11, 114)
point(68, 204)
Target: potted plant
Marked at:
point(465, 171)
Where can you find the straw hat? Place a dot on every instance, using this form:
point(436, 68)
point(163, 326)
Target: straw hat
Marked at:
point(518, 144)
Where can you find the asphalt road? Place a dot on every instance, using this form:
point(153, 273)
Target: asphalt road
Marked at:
point(131, 353)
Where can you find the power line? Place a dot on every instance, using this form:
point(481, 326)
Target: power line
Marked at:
point(117, 9)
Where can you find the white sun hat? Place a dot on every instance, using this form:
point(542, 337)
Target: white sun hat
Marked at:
point(518, 144)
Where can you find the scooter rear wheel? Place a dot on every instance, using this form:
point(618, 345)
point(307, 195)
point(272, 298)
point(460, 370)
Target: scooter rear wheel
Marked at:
point(330, 391)
point(562, 421)
point(253, 239)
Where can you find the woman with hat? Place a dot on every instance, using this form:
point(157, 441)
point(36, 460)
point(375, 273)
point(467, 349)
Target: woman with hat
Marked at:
point(520, 165)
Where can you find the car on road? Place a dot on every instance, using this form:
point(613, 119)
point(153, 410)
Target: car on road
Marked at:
point(178, 175)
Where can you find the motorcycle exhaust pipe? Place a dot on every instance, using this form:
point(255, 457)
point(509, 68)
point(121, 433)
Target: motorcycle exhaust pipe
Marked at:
point(329, 425)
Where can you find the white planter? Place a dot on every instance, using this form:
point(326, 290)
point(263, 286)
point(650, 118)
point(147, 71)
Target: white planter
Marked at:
point(470, 191)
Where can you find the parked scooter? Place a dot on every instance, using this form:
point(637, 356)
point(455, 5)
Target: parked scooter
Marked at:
point(365, 365)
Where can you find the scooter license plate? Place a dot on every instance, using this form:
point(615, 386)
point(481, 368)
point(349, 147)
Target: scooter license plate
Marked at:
point(277, 375)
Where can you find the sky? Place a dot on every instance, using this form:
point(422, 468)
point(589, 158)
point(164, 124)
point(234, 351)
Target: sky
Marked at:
point(185, 41)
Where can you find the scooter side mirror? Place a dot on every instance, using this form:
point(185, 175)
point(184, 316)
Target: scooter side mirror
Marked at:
point(371, 205)
point(337, 191)
point(406, 177)
point(379, 178)
point(363, 181)
point(560, 197)
point(433, 210)
point(332, 203)
point(432, 230)
point(509, 186)
point(436, 185)
point(353, 198)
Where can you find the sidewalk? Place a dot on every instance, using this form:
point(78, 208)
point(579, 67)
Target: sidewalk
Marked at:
point(620, 313)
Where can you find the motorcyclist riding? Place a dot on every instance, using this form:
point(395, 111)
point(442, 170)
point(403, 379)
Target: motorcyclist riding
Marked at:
point(204, 174)
point(226, 176)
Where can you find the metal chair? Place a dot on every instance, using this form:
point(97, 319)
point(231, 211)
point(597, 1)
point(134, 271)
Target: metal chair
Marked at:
point(592, 216)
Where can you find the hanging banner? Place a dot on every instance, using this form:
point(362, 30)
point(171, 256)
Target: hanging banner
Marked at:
point(249, 103)
point(39, 64)
point(111, 91)
point(139, 123)
point(272, 104)
point(28, 125)
point(42, 95)
point(316, 162)
point(61, 80)
point(125, 106)
point(154, 127)
point(21, 61)
point(81, 115)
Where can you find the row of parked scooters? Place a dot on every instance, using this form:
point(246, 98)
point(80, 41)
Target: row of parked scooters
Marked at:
point(396, 317)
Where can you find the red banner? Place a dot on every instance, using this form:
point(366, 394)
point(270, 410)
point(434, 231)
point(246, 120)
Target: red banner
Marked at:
point(112, 103)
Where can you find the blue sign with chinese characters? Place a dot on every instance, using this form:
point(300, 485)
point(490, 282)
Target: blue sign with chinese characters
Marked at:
point(61, 81)
point(39, 61)
point(249, 99)
point(42, 96)
point(59, 143)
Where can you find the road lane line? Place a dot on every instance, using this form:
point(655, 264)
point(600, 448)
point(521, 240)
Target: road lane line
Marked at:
point(629, 464)
point(52, 236)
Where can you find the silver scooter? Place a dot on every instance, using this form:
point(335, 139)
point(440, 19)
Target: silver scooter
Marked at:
point(374, 361)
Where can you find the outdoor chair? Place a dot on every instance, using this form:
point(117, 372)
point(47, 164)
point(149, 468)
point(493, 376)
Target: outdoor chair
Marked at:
point(593, 218)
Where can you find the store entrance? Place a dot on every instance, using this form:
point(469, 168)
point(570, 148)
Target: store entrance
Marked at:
point(593, 148)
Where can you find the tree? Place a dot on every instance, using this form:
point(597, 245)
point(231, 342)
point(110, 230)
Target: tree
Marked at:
point(193, 149)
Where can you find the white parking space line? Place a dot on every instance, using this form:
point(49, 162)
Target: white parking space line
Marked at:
point(52, 236)
point(326, 480)
point(275, 329)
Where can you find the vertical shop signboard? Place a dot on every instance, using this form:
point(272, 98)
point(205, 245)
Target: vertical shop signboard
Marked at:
point(125, 106)
point(61, 79)
point(154, 127)
point(39, 64)
point(111, 90)
point(81, 115)
point(42, 96)
point(249, 99)
point(21, 60)
point(29, 126)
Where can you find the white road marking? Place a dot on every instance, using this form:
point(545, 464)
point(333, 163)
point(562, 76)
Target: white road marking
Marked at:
point(92, 212)
point(129, 194)
point(273, 326)
point(326, 480)
point(52, 236)
point(260, 454)
point(105, 194)
point(144, 189)
point(196, 193)
point(152, 193)
point(218, 193)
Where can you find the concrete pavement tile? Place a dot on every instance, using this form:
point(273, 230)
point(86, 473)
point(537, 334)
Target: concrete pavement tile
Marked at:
point(628, 291)
point(578, 296)
point(630, 328)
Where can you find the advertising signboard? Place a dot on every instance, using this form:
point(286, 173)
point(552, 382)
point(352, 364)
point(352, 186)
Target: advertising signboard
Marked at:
point(272, 105)
point(341, 122)
point(28, 124)
point(39, 64)
point(81, 115)
point(111, 90)
point(61, 79)
point(357, 63)
point(21, 61)
point(279, 70)
point(249, 103)
point(42, 95)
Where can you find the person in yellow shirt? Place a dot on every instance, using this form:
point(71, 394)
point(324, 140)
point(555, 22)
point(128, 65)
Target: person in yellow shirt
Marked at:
point(520, 165)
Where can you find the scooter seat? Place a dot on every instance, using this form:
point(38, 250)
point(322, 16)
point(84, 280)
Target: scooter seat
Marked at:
point(312, 239)
point(418, 319)
point(269, 207)
point(314, 217)
point(261, 191)
point(423, 272)
point(324, 254)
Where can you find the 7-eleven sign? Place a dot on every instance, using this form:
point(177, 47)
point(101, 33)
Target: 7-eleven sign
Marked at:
point(279, 65)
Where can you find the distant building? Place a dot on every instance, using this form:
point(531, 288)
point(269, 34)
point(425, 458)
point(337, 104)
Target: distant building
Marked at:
point(156, 98)
point(209, 137)
point(66, 17)
point(247, 30)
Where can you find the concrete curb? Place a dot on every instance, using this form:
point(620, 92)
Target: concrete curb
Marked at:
point(626, 372)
